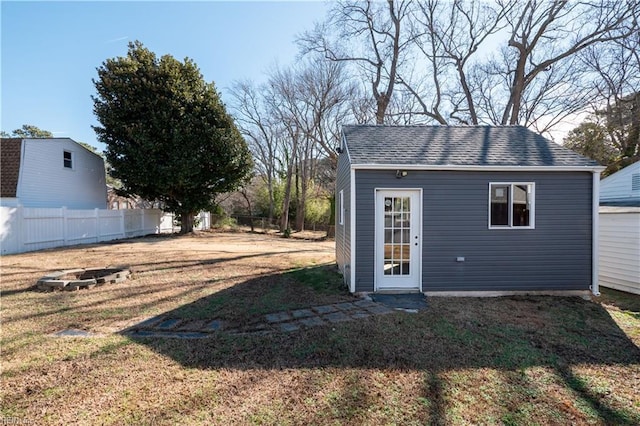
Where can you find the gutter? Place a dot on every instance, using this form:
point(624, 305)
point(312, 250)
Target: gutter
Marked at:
point(481, 168)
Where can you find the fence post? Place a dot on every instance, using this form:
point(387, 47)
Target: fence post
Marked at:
point(122, 227)
point(65, 225)
point(97, 213)
point(20, 221)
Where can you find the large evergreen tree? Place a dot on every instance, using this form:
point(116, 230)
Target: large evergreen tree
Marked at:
point(168, 135)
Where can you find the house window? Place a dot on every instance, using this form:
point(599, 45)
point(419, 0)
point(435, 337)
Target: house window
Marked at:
point(67, 159)
point(511, 205)
point(341, 208)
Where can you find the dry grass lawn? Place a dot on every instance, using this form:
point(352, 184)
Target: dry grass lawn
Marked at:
point(516, 360)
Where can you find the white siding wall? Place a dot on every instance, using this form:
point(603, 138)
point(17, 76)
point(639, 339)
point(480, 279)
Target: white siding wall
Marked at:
point(617, 187)
point(45, 182)
point(620, 248)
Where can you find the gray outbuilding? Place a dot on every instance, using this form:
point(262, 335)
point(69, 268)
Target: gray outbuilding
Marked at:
point(467, 210)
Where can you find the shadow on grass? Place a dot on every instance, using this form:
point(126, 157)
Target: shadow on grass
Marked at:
point(507, 334)
point(246, 303)
point(622, 300)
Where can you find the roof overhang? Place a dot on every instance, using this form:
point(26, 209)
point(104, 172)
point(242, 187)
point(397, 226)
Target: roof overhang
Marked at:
point(474, 168)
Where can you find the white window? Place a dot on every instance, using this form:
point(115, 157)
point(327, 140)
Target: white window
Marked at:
point(511, 205)
point(341, 208)
point(67, 159)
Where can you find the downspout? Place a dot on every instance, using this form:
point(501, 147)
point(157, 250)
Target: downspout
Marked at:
point(595, 233)
point(352, 223)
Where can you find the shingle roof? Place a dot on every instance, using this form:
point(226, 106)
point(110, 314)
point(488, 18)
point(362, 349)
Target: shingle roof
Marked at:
point(9, 166)
point(456, 146)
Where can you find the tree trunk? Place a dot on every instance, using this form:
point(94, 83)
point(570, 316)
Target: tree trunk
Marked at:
point(284, 221)
point(331, 229)
point(301, 208)
point(246, 198)
point(186, 222)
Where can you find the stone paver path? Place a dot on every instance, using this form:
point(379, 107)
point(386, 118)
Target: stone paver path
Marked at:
point(285, 321)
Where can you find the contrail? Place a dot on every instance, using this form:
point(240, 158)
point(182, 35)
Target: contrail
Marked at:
point(117, 39)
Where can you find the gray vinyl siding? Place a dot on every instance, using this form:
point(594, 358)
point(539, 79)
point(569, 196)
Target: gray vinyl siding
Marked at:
point(556, 255)
point(343, 232)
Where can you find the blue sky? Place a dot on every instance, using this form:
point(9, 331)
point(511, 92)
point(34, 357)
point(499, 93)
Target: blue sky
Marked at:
point(50, 50)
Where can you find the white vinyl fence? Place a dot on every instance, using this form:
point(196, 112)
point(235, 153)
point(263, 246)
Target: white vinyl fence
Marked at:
point(25, 229)
point(168, 222)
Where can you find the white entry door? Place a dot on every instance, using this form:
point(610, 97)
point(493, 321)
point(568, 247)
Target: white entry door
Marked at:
point(398, 240)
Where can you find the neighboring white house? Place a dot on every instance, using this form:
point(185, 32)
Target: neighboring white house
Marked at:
point(619, 265)
point(622, 188)
point(53, 172)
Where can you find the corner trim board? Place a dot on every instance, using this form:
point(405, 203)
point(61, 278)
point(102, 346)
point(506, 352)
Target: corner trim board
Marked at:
point(352, 237)
point(595, 234)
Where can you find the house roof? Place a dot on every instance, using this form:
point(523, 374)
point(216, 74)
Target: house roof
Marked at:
point(498, 146)
point(10, 149)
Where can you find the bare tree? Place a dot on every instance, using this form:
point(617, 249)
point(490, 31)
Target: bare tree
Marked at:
point(617, 68)
point(534, 77)
point(448, 35)
point(264, 134)
point(546, 33)
point(370, 35)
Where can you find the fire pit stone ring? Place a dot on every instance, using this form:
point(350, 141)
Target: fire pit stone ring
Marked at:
point(75, 279)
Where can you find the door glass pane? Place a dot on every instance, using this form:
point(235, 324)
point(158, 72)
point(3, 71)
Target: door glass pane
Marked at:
point(521, 205)
point(397, 228)
point(499, 205)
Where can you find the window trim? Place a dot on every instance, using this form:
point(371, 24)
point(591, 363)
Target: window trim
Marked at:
point(64, 159)
point(341, 208)
point(532, 212)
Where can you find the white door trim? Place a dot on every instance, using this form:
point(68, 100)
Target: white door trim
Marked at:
point(416, 252)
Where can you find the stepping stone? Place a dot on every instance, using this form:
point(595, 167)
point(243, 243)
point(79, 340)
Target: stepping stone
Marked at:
point(379, 310)
point(73, 333)
point(251, 333)
point(365, 303)
point(187, 335)
point(336, 317)
point(359, 315)
point(302, 313)
point(345, 306)
point(195, 325)
point(214, 325)
point(168, 324)
point(327, 309)
point(312, 322)
point(150, 322)
point(277, 317)
point(289, 326)
point(402, 300)
point(141, 333)
point(175, 335)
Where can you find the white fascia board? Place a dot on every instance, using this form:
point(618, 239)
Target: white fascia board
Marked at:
point(346, 147)
point(422, 167)
point(352, 222)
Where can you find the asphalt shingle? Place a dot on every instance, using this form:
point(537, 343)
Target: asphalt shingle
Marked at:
point(10, 149)
point(456, 146)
